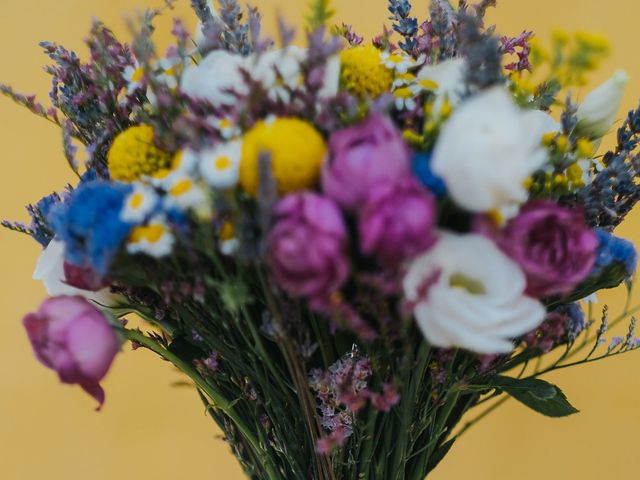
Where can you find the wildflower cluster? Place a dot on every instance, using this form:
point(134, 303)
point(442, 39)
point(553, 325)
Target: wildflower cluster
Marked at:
point(349, 244)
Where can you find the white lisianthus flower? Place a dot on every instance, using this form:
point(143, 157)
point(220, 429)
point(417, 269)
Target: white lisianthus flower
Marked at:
point(50, 271)
point(466, 293)
point(449, 77)
point(215, 77)
point(598, 112)
point(487, 149)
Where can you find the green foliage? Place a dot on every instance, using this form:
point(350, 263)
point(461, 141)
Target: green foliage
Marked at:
point(541, 396)
point(320, 12)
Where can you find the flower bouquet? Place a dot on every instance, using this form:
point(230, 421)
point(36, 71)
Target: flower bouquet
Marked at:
point(345, 247)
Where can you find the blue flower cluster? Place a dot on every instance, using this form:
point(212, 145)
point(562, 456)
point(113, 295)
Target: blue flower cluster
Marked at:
point(89, 224)
point(612, 249)
point(421, 166)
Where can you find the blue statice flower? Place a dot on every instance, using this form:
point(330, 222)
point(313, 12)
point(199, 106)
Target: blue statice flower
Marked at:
point(615, 250)
point(575, 319)
point(421, 167)
point(89, 224)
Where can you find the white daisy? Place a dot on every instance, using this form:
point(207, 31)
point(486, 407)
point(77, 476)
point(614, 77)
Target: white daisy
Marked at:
point(185, 194)
point(154, 239)
point(225, 127)
point(219, 166)
point(169, 71)
point(135, 77)
point(398, 62)
point(139, 204)
point(404, 98)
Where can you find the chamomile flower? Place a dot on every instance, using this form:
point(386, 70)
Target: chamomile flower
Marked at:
point(398, 62)
point(225, 127)
point(185, 194)
point(404, 98)
point(219, 166)
point(135, 77)
point(169, 71)
point(184, 162)
point(154, 239)
point(403, 80)
point(139, 204)
point(228, 242)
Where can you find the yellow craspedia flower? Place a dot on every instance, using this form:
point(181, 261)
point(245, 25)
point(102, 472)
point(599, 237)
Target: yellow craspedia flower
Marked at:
point(363, 72)
point(134, 155)
point(297, 151)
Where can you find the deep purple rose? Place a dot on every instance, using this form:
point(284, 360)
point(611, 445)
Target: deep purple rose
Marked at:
point(74, 338)
point(307, 246)
point(361, 156)
point(397, 221)
point(553, 246)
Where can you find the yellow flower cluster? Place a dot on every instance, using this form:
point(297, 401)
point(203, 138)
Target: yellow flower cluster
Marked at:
point(296, 151)
point(134, 155)
point(362, 72)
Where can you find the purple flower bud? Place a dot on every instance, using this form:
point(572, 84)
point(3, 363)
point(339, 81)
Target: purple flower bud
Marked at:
point(397, 221)
point(553, 246)
point(307, 246)
point(361, 156)
point(74, 338)
point(84, 278)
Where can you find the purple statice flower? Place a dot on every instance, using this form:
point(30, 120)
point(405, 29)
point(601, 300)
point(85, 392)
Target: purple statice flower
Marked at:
point(350, 36)
point(39, 228)
point(553, 246)
point(74, 338)
point(385, 401)
point(89, 224)
point(341, 392)
point(307, 247)
point(615, 250)
point(362, 156)
point(397, 221)
point(562, 325)
point(519, 46)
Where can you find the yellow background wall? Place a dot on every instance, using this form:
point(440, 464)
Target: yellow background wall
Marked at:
point(152, 430)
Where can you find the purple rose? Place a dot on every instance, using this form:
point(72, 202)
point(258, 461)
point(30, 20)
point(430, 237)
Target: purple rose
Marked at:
point(74, 338)
point(553, 246)
point(361, 156)
point(307, 246)
point(397, 221)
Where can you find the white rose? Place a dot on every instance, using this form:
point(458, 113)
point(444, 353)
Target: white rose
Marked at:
point(50, 271)
point(449, 75)
point(487, 149)
point(598, 112)
point(466, 293)
point(215, 77)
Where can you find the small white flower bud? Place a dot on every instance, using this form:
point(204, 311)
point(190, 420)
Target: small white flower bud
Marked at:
point(598, 112)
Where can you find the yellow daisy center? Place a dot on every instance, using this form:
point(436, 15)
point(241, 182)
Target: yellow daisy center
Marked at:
point(138, 73)
point(151, 233)
point(222, 163)
point(136, 200)
point(181, 187)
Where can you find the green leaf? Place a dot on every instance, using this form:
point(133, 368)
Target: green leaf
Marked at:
point(320, 12)
point(439, 454)
point(541, 396)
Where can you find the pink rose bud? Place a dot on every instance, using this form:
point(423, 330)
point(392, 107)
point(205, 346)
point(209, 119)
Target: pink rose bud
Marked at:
point(74, 338)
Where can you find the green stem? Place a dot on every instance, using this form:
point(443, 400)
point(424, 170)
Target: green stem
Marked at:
point(219, 401)
point(482, 415)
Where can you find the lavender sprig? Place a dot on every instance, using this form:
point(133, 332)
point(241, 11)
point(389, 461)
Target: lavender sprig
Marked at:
point(404, 24)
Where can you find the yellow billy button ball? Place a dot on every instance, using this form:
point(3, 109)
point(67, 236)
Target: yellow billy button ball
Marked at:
point(363, 73)
point(296, 151)
point(133, 155)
